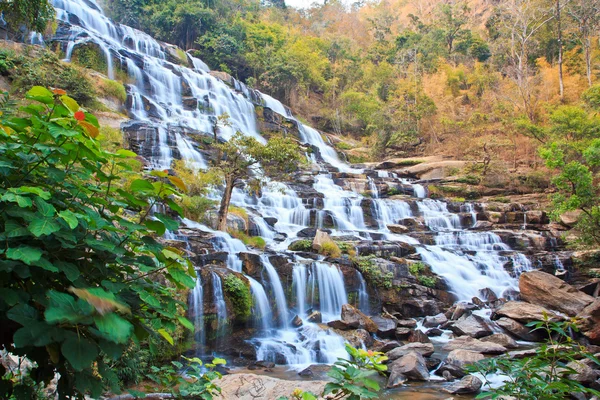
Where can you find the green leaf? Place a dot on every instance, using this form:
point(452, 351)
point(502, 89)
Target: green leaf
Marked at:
point(69, 103)
point(159, 173)
point(33, 334)
point(111, 349)
point(24, 314)
point(44, 208)
point(155, 226)
point(169, 222)
point(114, 327)
point(166, 335)
point(43, 226)
point(182, 277)
point(186, 323)
point(64, 308)
point(35, 190)
point(80, 352)
point(70, 218)
point(126, 153)
point(41, 94)
point(141, 185)
point(149, 299)
point(27, 254)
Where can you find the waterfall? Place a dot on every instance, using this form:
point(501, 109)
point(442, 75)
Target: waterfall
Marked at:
point(327, 290)
point(300, 280)
point(221, 307)
point(363, 295)
point(277, 288)
point(262, 310)
point(197, 305)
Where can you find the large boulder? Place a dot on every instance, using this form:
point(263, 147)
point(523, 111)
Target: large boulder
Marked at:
point(321, 237)
point(469, 343)
point(524, 312)
point(386, 327)
point(501, 339)
point(589, 322)
point(250, 386)
point(548, 291)
point(472, 325)
point(435, 320)
point(468, 384)
point(519, 330)
point(425, 349)
point(462, 358)
point(354, 318)
point(410, 366)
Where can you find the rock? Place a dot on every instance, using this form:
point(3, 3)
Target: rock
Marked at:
point(433, 332)
point(297, 321)
point(410, 366)
point(462, 309)
point(260, 387)
point(521, 353)
point(402, 333)
point(354, 318)
point(270, 220)
point(337, 324)
point(265, 364)
point(589, 323)
point(407, 323)
point(472, 325)
point(400, 229)
point(524, 312)
point(450, 371)
point(519, 330)
point(315, 317)
point(461, 358)
point(435, 321)
point(358, 338)
point(321, 237)
point(417, 336)
point(386, 327)
point(311, 232)
point(432, 362)
point(468, 384)
point(425, 349)
point(501, 339)
point(389, 345)
point(548, 291)
point(585, 374)
point(488, 295)
point(469, 343)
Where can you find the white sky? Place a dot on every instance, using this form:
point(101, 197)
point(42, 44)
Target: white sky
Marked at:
point(301, 3)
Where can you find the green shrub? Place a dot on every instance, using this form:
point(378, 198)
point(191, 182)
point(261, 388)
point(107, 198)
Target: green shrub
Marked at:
point(417, 268)
point(253, 241)
point(345, 247)
point(90, 56)
point(7, 57)
point(373, 273)
point(239, 294)
point(196, 207)
point(344, 146)
point(113, 89)
point(330, 249)
point(427, 281)
point(422, 273)
point(301, 245)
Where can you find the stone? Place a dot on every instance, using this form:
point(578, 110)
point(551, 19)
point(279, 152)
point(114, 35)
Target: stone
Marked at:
point(472, 325)
point(261, 387)
point(548, 291)
point(589, 322)
point(425, 349)
point(297, 321)
point(396, 228)
point(521, 353)
point(469, 343)
point(432, 362)
point(265, 364)
point(468, 384)
point(337, 324)
point(450, 371)
point(501, 339)
point(354, 318)
point(389, 345)
point(321, 237)
point(524, 312)
point(315, 317)
point(411, 366)
point(519, 330)
point(407, 323)
point(462, 358)
point(386, 327)
point(270, 220)
point(434, 332)
point(488, 295)
point(435, 321)
point(462, 309)
point(585, 374)
point(417, 336)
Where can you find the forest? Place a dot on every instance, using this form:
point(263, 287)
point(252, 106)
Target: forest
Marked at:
point(198, 195)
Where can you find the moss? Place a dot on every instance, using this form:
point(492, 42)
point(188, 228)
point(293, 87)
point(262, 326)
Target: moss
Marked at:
point(353, 159)
point(301, 245)
point(253, 241)
point(90, 56)
point(409, 163)
point(500, 199)
point(113, 89)
point(469, 180)
point(423, 274)
point(239, 294)
point(343, 146)
point(330, 249)
point(393, 191)
point(240, 212)
point(372, 273)
point(345, 247)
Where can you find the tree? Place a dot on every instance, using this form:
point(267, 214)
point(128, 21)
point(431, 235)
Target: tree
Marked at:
point(244, 158)
point(34, 14)
point(453, 17)
point(79, 260)
point(586, 14)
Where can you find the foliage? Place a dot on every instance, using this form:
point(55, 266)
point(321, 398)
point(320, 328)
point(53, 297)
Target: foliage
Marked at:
point(351, 378)
point(196, 207)
point(301, 245)
point(79, 262)
point(547, 374)
point(419, 270)
point(198, 382)
point(372, 272)
point(253, 241)
point(113, 89)
point(239, 294)
point(330, 249)
point(34, 14)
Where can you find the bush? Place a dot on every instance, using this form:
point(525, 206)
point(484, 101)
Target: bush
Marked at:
point(239, 294)
point(330, 249)
point(90, 56)
point(113, 89)
point(196, 207)
point(301, 245)
point(253, 241)
point(373, 273)
point(418, 270)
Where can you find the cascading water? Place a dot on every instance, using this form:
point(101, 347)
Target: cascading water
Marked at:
point(181, 104)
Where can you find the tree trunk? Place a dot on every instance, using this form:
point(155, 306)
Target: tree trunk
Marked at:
point(560, 53)
point(588, 60)
point(224, 207)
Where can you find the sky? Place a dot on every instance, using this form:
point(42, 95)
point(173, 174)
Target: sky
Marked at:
point(301, 3)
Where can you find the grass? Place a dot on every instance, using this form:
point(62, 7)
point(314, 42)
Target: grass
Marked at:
point(252, 241)
point(330, 249)
point(301, 245)
point(113, 89)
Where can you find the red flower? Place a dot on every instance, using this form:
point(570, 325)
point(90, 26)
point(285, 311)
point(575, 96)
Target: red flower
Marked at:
point(59, 92)
point(79, 115)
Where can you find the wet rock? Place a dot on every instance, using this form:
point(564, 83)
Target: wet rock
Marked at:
point(389, 345)
point(340, 325)
point(468, 384)
point(519, 330)
point(548, 291)
point(589, 322)
point(432, 362)
point(270, 220)
point(450, 371)
point(402, 333)
point(411, 366)
point(399, 229)
point(357, 338)
point(461, 309)
point(488, 295)
point(462, 358)
point(501, 339)
point(311, 370)
point(311, 232)
point(585, 374)
point(425, 349)
point(472, 325)
point(297, 321)
point(386, 327)
point(356, 319)
point(315, 317)
point(520, 354)
point(265, 364)
point(407, 323)
point(434, 332)
point(417, 336)
point(524, 312)
point(469, 343)
point(435, 321)
point(251, 264)
point(252, 386)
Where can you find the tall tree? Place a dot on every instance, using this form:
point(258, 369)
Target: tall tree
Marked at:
point(561, 83)
point(453, 18)
point(34, 14)
point(586, 14)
